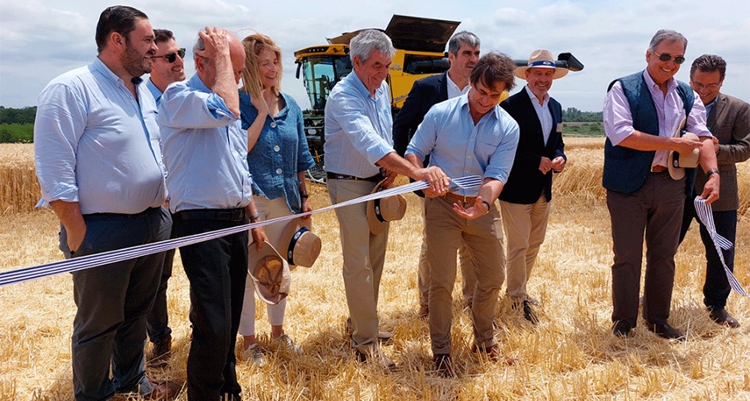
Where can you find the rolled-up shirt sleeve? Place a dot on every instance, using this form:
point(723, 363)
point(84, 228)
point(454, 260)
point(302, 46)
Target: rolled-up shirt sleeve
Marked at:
point(618, 120)
point(357, 126)
point(501, 161)
point(424, 138)
point(60, 122)
point(181, 107)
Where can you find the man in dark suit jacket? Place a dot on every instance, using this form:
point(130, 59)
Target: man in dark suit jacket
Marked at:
point(463, 54)
point(728, 120)
point(526, 198)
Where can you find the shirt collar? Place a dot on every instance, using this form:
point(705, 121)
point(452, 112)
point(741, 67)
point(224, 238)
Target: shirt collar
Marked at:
point(533, 97)
point(99, 66)
point(153, 89)
point(195, 82)
point(463, 101)
point(671, 83)
point(362, 89)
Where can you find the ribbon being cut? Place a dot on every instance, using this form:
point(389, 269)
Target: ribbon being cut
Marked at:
point(99, 259)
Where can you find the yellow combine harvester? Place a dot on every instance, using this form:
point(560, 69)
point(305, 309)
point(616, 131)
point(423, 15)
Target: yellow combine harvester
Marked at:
point(420, 52)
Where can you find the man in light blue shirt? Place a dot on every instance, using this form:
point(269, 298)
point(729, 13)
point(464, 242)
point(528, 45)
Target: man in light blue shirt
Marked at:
point(100, 174)
point(467, 135)
point(210, 189)
point(167, 66)
point(358, 147)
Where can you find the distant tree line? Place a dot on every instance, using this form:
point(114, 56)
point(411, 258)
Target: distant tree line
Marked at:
point(10, 115)
point(17, 125)
point(573, 115)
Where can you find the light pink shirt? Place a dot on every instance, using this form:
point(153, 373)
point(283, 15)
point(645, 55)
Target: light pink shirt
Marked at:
point(618, 120)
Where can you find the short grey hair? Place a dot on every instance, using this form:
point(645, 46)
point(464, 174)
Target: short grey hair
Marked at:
point(668, 35)
point(368, 40)
point(462, 37)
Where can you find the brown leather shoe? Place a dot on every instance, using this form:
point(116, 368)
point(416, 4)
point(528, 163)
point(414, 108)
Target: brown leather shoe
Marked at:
point(666, 331)
point(528, 313)
point(423, 311)
point(721, 316)
point(377, 357)
point(160, 352)
point(493, 352)
point(443, 365)
point(164, 391)
point(385, 337)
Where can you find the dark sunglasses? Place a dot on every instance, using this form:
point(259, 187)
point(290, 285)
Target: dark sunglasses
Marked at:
point(666, 57)
point(171, 57)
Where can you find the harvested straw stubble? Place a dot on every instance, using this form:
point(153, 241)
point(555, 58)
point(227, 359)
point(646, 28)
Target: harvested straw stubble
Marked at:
point(570, 355)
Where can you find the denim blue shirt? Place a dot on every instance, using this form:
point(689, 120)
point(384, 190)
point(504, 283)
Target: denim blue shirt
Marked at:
point(358, 128)
point(92, 143)
point(155, 92)
point(280, 153)
point(460, 148)
point(204, 149)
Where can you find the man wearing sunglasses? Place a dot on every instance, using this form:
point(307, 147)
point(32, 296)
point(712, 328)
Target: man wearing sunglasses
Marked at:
point(642, 111)
point(167, 66)
point(727, 118)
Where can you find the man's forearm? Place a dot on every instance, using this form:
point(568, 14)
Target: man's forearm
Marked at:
point(398, 164)
point(69, 214)
point(490, 189)
point(415, 160)
point(225, 85)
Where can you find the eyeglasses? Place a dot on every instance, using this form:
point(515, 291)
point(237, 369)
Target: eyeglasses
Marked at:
point(702, 86)
point(667, 57)
point(172, 57)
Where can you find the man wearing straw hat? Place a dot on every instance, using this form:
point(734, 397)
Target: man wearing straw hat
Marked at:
point(728, 118)
point(468, 135)
point(525, 200)
point(358, 145)
point(642, 113)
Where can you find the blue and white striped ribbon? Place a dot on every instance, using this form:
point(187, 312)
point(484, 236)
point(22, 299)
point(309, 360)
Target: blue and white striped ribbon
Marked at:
point(99, 259)
point(706, 217)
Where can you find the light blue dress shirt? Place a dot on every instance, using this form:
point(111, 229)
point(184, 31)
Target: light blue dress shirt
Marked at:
point(155, 92)
point(280, 153)
point(204, 149)
point(92, 143)
point(358, 128)
point(460, 148)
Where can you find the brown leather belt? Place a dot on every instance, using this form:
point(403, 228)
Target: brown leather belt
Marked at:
point(658, 169)
point(450, 196)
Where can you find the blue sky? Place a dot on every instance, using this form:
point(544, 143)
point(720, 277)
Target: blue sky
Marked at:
point(42, 39)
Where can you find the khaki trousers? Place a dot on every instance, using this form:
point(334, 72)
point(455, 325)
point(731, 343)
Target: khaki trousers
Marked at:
point(423, 274)
point(364, 255)
point(525, 227)
point(446, 231)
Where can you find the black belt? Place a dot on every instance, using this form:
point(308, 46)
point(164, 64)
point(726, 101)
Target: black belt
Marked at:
point(212, 214)
point(336, 176)
point(107, 215)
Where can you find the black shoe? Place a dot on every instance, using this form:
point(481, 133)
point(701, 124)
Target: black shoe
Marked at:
point(160, 352)
point(666, 331)
point(443, 365)
point(721, 316)
point(528, 313)
point(622, 329)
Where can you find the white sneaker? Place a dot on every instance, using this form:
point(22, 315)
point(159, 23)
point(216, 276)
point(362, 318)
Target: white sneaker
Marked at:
point(254, 354)
point(286, 342)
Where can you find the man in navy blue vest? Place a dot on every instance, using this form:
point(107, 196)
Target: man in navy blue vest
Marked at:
point(525, 200)
point(641, 113)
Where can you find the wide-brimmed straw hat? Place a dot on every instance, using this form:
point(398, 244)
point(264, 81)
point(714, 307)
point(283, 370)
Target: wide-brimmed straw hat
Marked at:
point(270, 274)
point(298, 244)
point(541, 58)
point(384, 210)
point(677, 163)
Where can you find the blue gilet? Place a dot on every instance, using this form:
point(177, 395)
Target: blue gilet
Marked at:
point(625, 169)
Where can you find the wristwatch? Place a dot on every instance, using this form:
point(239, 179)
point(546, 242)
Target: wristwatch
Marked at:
point(488, 206)
point(711, 172)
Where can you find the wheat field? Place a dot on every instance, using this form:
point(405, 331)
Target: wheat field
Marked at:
point(570, 355)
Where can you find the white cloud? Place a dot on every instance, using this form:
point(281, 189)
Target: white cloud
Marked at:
point(40, 40)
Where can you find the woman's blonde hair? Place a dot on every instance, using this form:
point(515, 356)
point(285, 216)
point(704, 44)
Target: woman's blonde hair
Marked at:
point(254, 44)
